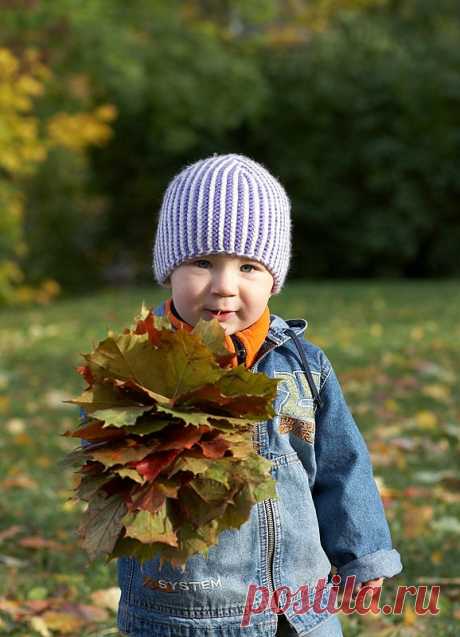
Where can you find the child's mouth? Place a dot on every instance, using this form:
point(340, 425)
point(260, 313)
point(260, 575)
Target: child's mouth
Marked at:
point(219, 314)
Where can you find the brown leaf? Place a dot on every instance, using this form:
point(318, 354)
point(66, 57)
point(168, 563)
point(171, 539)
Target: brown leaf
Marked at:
point(179, 437)
point(11, 531)
point(38, 542)
point(215, 448)
point(94, 430)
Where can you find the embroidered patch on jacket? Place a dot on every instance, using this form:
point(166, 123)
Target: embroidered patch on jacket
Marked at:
point(304, 429)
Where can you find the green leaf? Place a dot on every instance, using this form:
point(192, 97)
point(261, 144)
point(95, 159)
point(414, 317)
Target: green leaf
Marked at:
point(130, 473)
point(104, 396)
point(90, 484)
point(213, 336)
point(120, 416)
point(150, 527)
point(198, 418)
point(195, 465)
point(102, 524)
point(152, 425)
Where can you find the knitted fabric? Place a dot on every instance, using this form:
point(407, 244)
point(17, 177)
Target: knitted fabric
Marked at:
point(224, 204)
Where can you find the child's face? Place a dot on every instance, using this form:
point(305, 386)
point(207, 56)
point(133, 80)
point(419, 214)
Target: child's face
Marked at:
point(221, 281)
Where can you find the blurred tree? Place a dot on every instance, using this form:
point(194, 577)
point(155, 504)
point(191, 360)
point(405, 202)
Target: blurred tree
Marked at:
point(352, 103)
point(21, 148)
point(372, 119)
point(25, 142)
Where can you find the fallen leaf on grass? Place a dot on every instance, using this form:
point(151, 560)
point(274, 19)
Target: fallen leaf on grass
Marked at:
point(417, 520)
point(22, 481)
point(437, 391)
point(38, 624)
point(37, 542)
point(15, 425)
point(11, 531)
point(93, 613)
point(62, 622)
point(11, 607)
point(107, 598)
point(12, 562)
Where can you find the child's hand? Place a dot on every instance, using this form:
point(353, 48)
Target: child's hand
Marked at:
point(373, 583)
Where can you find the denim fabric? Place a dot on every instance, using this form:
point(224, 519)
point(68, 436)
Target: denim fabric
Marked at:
point(331, 628)
point(328, 511)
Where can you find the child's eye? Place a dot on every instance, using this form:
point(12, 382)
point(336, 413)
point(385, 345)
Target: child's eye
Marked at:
point(201, 261)
point(249, 265)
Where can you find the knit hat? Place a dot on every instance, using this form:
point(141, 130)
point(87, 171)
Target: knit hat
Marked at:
point(226, 204)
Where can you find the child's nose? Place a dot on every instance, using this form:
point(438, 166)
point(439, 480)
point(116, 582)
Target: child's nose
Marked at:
point(224, 283)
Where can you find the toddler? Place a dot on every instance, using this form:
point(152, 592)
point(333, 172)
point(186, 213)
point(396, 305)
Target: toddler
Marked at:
point(223, 247)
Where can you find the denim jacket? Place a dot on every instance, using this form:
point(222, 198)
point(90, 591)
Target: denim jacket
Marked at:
point(328, 512)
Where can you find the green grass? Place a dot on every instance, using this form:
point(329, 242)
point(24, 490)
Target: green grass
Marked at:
point(396, 349)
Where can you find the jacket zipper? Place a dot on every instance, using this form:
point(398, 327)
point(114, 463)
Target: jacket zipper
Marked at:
point(268, 506)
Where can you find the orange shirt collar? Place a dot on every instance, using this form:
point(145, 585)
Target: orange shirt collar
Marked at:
point(252, 337)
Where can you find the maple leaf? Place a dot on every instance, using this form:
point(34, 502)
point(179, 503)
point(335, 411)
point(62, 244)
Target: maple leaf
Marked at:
point(169, 461)
point(102, 523)
point(151, 527)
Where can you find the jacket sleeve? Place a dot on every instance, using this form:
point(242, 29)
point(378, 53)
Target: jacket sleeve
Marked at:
point(353, 527)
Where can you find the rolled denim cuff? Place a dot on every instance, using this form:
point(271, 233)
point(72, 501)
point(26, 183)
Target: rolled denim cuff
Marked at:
point(383, 563)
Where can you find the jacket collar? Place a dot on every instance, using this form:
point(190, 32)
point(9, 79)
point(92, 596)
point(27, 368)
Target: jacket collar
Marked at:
point(278, 326)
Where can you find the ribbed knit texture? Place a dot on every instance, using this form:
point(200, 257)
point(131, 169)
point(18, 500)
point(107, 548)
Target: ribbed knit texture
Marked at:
point(227, 204)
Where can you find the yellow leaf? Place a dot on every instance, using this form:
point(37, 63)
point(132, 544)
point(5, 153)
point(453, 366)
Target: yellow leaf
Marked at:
point(68, 505)
point(426, 419)
point(417, 333)
point(43, 461)
point(437, 557)
point(23, 438)
point(62, 622)
point(107, 112)
point(376, 330)
point(4, 404)
point(107, 598)
point(438, 392)
point(15, 426)
point(38, 624)
point(409, 616)
point(391, 405)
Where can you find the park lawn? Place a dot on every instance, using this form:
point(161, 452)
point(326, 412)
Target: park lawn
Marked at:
point(396, 349)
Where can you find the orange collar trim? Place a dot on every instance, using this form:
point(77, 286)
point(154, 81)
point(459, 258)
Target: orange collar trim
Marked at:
point(252, 337)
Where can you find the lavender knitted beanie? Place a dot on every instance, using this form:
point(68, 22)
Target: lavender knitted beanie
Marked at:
point(227, 204)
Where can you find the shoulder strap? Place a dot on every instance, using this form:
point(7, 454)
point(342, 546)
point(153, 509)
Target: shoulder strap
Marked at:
point(311, 382)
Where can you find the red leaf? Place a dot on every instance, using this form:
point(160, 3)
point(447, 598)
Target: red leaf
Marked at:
point(147, 325)
point(214, 448)
point(151, 465)
point(85, 371)
point(148, 498)
point(95, 431)
point(179, 437)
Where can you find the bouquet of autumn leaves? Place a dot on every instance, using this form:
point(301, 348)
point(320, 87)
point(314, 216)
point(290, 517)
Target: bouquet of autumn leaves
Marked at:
point(168, 461)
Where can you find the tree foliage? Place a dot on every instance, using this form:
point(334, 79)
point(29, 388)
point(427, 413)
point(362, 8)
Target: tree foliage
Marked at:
point(26, 140)
point(352, 104)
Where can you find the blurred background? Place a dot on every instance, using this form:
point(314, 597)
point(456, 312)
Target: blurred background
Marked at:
point(355, 106)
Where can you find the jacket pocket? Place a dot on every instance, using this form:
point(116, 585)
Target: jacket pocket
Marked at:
point(213, 586)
